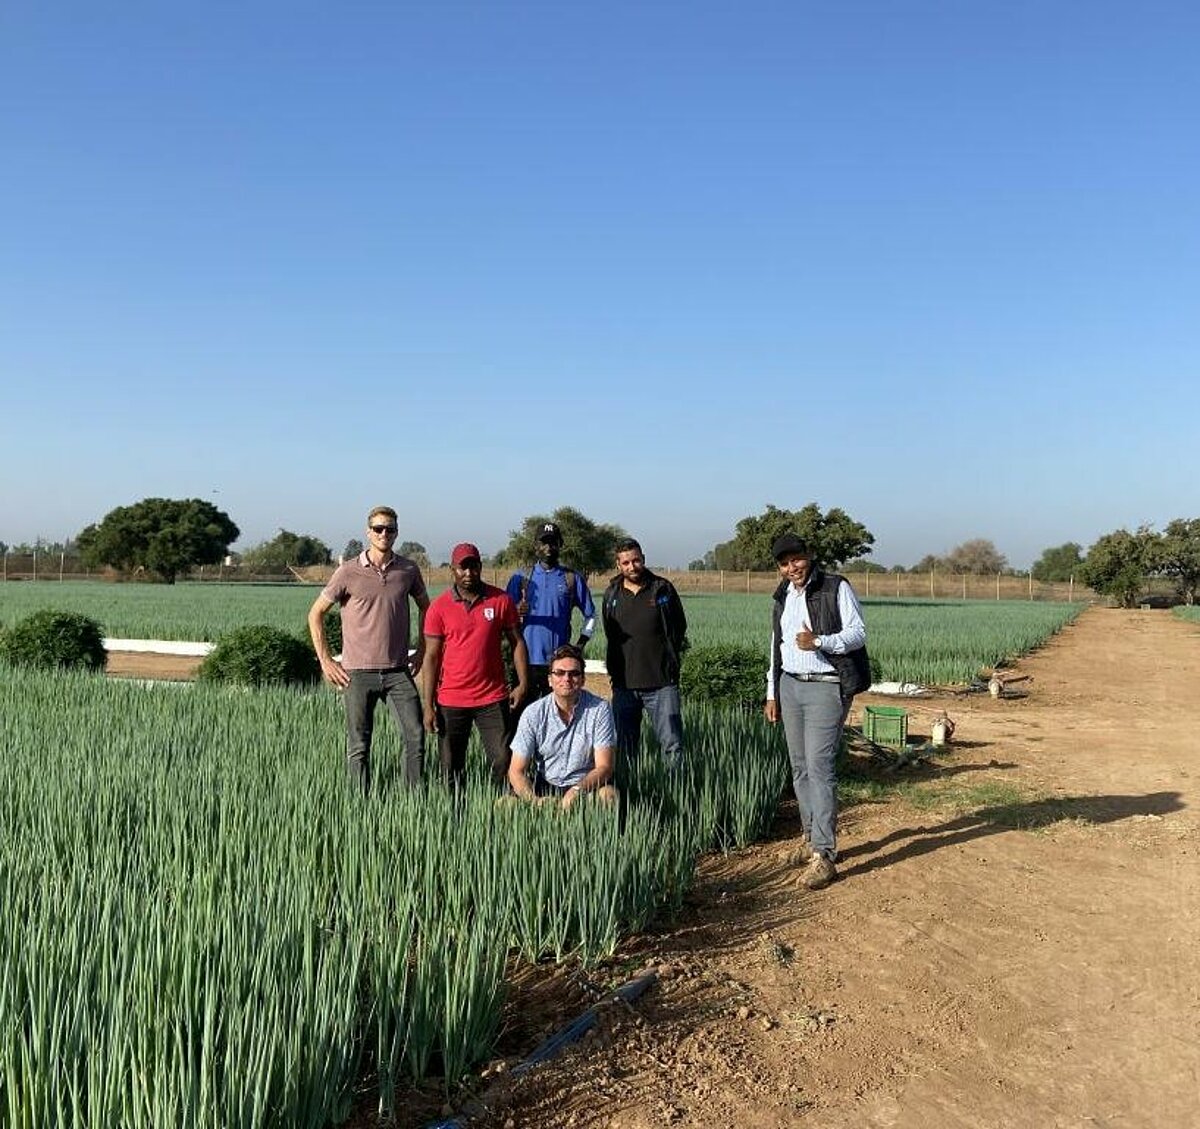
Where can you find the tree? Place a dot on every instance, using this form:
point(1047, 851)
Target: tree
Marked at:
point(286, 548)
point(833, 537)
point(353, 547)
point(1060, 563)
point(978, 557)
point(1179, 556)
point(1117, 565)
point(587, 546)
point(162, 535)
point(862, 565)
point(415, 552)
point(930, 563)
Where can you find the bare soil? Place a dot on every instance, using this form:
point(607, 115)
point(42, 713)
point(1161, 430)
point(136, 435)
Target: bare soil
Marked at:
point(1013, 942)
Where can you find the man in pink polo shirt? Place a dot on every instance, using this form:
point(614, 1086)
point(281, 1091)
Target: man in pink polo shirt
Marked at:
point(373, 591)
point(463, 678)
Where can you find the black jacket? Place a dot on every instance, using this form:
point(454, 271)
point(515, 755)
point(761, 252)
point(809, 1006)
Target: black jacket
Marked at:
point(673, 623)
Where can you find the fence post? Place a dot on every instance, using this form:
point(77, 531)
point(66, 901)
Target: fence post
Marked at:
point(931, 584)
point(747, 580)
point(867, 584)
point(964, 586)
point(722, 580)
point(34, 564)
point(997, 586)
point(62, 562)
point(1031, 584)
point(1071, 590)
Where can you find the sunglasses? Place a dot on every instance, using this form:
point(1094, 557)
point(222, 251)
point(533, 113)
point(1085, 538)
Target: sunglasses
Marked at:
point(566, 674)
point(383, 528)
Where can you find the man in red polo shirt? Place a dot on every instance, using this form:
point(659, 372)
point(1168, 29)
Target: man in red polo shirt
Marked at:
point(463, 677)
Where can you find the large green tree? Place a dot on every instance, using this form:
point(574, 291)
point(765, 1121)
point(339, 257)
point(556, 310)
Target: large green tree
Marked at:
point(1059, 563)
point(833, 536)
point(978, 557)
point(287, 548)
point(1179, 556)
point(1118, 564)
point(587, 545)
point(165, 536)
point(416, 552)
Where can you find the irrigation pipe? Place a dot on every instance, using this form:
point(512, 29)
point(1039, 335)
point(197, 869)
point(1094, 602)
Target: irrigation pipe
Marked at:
point(572, 1033)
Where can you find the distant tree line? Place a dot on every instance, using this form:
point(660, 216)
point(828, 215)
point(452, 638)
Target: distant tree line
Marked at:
point(165, 537)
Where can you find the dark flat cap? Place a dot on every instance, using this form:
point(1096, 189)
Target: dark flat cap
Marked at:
point(787, 543)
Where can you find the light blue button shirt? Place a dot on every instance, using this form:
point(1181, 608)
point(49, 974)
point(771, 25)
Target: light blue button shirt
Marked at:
point(565, 751)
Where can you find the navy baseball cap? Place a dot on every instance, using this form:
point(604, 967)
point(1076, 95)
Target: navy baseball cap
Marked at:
point(550, 532)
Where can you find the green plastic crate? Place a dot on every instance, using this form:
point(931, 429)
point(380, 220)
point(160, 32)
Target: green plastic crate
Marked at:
point(885, 725)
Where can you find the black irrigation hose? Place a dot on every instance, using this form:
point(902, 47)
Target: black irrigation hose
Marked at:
point(572, 1033)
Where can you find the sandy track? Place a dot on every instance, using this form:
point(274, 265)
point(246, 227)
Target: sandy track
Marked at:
point(1029, 963)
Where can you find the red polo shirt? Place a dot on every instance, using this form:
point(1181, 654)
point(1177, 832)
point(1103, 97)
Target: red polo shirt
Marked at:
point(472, 662)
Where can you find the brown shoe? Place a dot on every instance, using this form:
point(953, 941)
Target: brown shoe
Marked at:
point(799, 855)
point(818, 874)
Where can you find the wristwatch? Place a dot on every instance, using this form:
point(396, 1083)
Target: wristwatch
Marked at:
point(816, 642)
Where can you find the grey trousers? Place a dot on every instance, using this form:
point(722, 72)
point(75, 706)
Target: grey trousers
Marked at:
point(366, 689)
point(812, 714)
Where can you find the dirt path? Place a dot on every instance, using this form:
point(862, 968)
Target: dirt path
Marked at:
point(1024, 952)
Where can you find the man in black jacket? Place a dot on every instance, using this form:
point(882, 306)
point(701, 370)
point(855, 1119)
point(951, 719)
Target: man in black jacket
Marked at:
point(818, 663)
point(645, 631)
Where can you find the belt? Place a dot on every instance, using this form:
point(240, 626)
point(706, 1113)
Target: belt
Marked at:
point(824, 676)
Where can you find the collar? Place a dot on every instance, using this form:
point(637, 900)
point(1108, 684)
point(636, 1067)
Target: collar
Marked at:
point(364, 559)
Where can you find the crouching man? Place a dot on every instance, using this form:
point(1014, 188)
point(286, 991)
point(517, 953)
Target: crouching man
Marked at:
point(568, 735)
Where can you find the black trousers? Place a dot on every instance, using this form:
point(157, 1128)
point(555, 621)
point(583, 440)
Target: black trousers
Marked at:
point(454, 734)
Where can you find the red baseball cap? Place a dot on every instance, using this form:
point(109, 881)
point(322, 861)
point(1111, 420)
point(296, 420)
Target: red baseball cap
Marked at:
point(464, 551)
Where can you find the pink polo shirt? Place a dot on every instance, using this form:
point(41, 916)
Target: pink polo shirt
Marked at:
point(375, 616)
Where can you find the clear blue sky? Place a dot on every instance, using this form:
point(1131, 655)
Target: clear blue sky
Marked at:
point(935, 263)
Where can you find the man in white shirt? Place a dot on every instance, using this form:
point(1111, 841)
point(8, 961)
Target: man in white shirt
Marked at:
point(818, 663)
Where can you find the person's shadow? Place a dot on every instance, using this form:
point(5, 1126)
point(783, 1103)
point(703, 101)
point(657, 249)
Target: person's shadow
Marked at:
point(911, 842)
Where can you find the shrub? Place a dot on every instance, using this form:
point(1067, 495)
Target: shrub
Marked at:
point(258, 655)
point(333, 631)
point(725, 675)
point(51, 639)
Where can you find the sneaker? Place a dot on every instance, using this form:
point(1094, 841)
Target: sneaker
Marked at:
point(818, 874)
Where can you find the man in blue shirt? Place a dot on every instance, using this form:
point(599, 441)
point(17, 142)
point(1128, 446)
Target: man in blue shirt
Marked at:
point(545, 595)
point(569, 736)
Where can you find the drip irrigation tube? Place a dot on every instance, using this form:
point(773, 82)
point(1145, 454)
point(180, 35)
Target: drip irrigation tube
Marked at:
point(572, 1033)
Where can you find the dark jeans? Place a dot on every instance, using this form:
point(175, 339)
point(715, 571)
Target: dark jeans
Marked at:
point(666, 718)
point(454, 734)
point(366, 689)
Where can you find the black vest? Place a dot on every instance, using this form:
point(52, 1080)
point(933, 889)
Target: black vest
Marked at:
point(854, 667)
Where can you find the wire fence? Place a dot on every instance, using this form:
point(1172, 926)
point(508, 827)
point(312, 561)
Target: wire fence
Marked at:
point(47, 567)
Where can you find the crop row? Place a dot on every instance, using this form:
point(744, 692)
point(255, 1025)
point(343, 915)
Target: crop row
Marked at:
point(200, 924)
point(937, 643)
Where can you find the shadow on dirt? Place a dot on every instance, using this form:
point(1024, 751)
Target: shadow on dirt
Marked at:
point(1022, 816)
point(940, 771)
